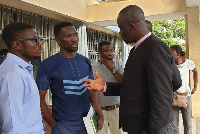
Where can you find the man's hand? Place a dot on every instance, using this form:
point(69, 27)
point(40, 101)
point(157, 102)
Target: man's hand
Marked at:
point(108, 63)
point(193, 90)
point(97, 84)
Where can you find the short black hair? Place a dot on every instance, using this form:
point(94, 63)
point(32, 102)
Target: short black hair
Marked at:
point(178, 49)
point(12, 30)
point(59, 26)
point(102, 43)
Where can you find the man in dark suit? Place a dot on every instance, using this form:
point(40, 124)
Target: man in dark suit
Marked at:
point(150, 76)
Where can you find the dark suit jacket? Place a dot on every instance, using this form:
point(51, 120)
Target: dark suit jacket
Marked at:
point(149, 78)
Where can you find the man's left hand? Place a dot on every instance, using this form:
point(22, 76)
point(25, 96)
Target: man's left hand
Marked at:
point(97, 84)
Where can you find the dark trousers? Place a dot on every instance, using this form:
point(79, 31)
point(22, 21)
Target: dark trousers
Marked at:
point(168, 129)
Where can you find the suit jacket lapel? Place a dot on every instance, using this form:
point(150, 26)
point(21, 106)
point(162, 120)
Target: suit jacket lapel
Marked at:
point(132, 49)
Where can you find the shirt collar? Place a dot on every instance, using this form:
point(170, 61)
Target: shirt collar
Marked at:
point(19, 61)
point(142, 39)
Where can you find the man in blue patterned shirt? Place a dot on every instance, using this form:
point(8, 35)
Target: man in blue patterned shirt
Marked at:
point(63, 73)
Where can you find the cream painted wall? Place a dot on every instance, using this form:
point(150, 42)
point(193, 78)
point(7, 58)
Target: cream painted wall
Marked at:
point(78, 10)
point(72, 8)
point(193, 51)
point(110, 10)
point(19, 4)
point(65, 10)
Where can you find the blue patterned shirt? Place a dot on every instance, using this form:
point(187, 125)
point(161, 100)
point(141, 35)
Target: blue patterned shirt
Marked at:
point(64, 76)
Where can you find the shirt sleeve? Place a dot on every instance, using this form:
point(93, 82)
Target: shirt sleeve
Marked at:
point(11, 104)
point(42, 79)
point(119, 67)
point(91, 76)
point(191, 64)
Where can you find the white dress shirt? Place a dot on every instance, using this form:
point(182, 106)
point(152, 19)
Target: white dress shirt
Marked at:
point(185, 69)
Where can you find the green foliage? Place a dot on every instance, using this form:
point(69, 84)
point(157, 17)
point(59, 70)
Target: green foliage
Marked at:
point(169, 30)
point(170, 42)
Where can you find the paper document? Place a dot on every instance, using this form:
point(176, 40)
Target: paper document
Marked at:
point(91, 121)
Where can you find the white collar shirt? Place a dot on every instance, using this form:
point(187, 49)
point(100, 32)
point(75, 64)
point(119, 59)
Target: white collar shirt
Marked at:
point(20, 102)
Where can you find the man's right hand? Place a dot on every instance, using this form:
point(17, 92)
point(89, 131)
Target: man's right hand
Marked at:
point(108, 63)
point(97, 84)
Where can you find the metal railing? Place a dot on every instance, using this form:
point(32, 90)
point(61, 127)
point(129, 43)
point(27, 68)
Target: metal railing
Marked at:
point(42, 24)
point(94, 37)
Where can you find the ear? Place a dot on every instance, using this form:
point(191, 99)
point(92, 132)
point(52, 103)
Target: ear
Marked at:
point(16, 45)
point(57, 40)
point(100, 52)
point(132, 26)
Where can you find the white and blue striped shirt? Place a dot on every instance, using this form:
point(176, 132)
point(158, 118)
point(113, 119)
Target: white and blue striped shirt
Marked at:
point(19, 98)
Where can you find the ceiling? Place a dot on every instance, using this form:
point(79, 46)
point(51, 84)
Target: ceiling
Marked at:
point(160, 17)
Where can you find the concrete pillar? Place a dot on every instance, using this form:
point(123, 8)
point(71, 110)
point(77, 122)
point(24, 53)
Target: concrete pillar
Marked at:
point(193, 51)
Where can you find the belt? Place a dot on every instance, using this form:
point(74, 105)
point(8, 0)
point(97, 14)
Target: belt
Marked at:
point(109, 108)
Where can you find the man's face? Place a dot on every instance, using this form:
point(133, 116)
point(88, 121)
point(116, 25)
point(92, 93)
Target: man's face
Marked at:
point(175, 54)
point(68, 39)
point(28, 47)
point(125, 29)
point(107, 52)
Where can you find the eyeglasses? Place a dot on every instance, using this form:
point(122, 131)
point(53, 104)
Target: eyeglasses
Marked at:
point(37, 39)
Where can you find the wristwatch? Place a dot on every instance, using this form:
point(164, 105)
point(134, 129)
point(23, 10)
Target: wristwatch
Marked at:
point(114, 71)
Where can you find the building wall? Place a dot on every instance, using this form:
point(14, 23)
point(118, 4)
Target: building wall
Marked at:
point(109, 10)
point(193, 51)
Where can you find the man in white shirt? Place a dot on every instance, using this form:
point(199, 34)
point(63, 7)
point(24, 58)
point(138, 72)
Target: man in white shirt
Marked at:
point(185, 66)
point(20, 102)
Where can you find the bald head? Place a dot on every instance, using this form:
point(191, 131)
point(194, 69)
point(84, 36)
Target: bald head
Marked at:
point(132, 13)
point(131, 22)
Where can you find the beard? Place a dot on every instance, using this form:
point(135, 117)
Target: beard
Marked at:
point(74, 49)
point(71, 49)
